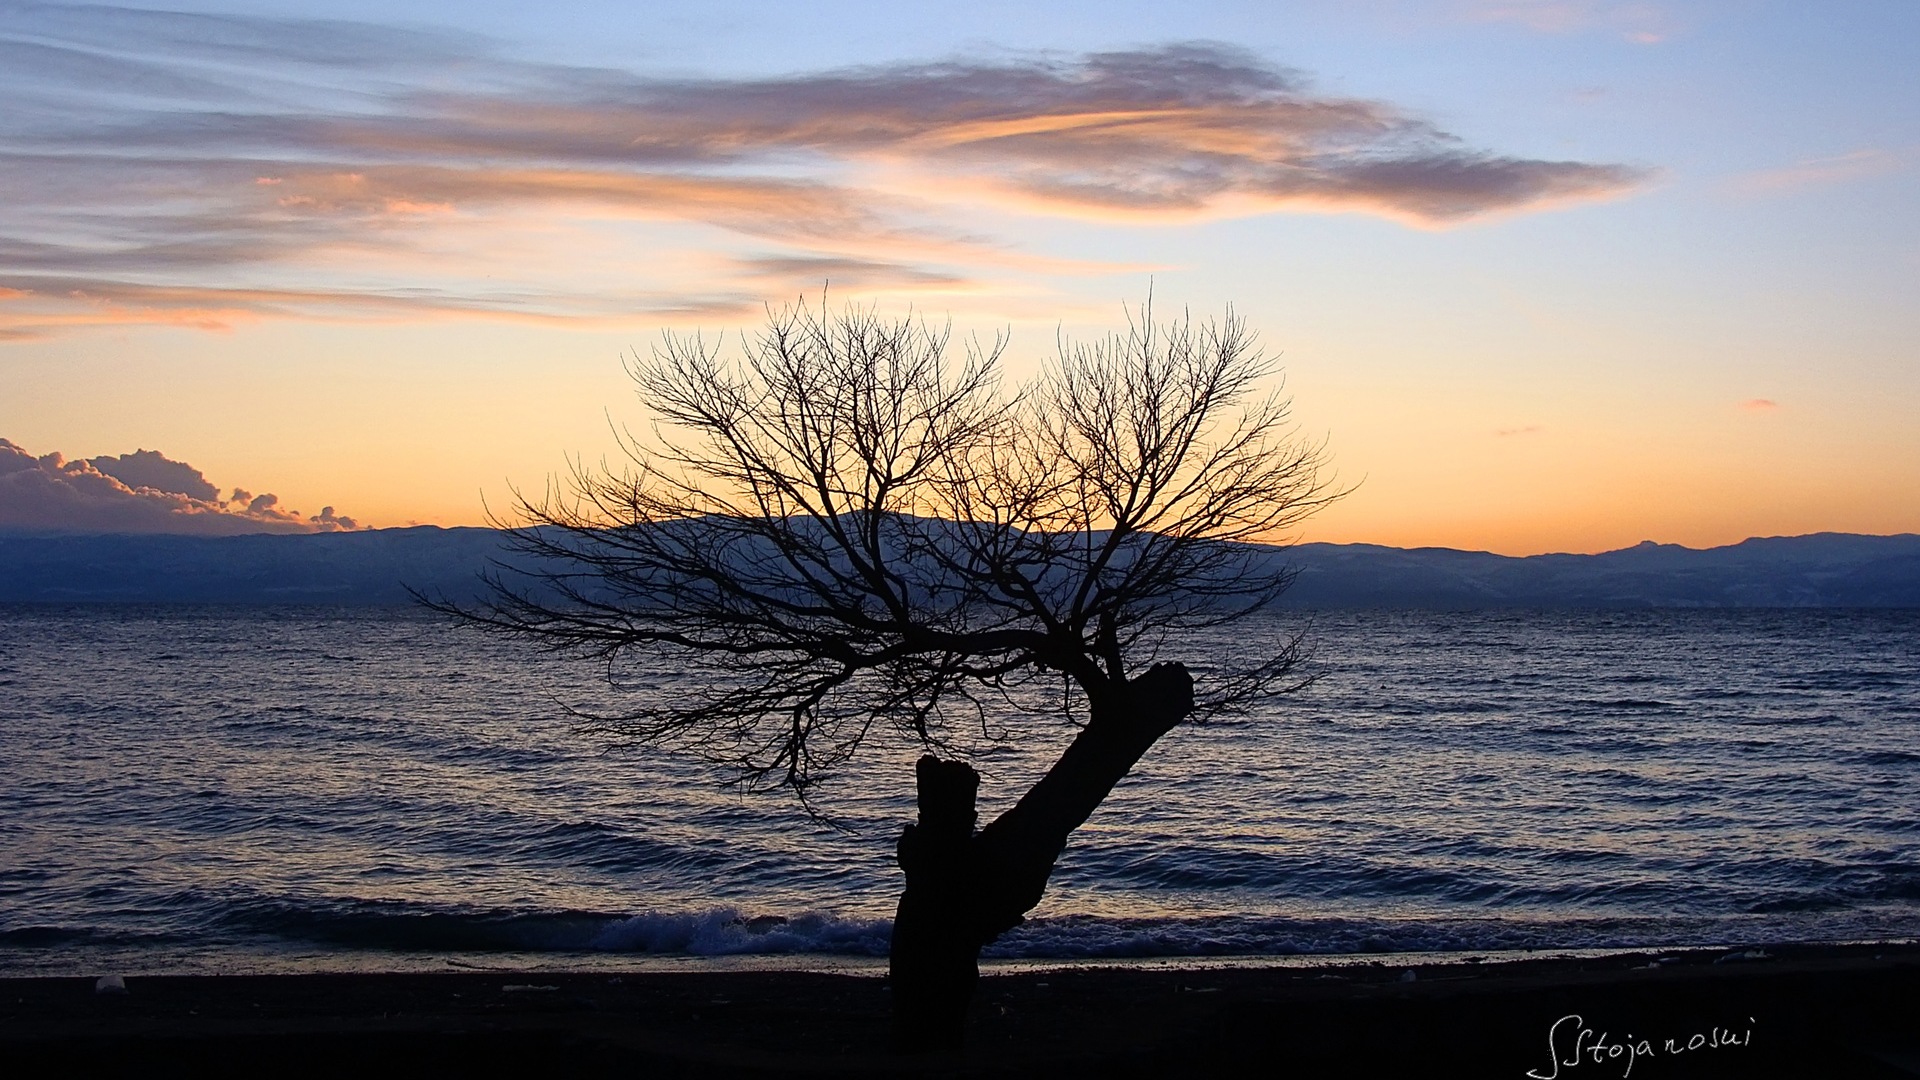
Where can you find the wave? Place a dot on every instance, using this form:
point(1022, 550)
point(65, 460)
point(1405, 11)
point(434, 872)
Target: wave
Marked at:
point(394, 927)
point(1454, 783)
point(403, 926)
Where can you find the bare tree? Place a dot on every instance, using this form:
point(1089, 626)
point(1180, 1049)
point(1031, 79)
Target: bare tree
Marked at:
point(855, 535)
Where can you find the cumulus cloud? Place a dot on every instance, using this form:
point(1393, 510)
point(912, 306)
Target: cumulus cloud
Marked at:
point(155, 471)
point(141, 492)
point(174, 168)
point(328, 521)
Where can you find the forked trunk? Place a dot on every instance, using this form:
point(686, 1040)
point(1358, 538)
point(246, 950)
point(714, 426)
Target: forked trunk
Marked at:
point(964, 888)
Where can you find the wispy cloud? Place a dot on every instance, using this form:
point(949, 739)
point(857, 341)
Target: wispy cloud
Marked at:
point(141, 492)
point(63, 304)
point(1640, 23)
point(1819, 172)
point(201, 170)
point(1760, 405)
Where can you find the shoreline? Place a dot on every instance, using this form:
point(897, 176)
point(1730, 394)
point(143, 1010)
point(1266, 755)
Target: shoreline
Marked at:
point(1789, 1010)
point(378, 962)
point(373, 962)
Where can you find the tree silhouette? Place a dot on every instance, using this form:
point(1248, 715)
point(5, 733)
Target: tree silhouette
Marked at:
point(852, 535)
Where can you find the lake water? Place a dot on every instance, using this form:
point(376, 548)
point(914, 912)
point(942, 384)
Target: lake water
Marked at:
point(206, 789)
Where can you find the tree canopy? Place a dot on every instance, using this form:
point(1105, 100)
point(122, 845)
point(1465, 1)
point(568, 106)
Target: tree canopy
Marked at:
point(840, 524)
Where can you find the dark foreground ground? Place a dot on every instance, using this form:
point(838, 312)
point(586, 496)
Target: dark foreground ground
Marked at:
point(1795, 1012)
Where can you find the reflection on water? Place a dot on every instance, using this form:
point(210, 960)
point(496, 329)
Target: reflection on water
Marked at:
point(205, 788)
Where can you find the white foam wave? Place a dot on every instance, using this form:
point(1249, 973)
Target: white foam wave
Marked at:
point(727, 932)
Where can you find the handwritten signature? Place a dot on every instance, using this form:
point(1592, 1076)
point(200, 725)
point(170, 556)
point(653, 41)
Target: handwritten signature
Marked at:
point(1571, 1043)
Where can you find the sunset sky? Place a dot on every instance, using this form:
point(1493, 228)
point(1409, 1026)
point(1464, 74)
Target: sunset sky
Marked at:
point(1547, 275)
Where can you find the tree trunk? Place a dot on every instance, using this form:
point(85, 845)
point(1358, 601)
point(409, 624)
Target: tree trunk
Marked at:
point(964, 888)
point(934, 958)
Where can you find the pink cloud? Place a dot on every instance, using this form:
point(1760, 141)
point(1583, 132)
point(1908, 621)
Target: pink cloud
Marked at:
point(1639, 23)
point(119, 213)
point(141, 492)
point(1819, 172)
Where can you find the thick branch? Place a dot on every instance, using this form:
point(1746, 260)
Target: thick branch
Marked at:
point(1017, 851)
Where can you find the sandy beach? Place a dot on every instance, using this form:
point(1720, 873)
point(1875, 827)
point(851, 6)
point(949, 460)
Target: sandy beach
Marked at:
point(1804, 1011)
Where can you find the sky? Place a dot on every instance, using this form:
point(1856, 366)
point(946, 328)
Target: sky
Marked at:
point(1545, 275)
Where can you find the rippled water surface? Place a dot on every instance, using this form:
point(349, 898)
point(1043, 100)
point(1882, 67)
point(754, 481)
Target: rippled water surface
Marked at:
point(216, 789)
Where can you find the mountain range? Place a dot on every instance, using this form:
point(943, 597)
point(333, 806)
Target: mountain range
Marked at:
point(375, 567)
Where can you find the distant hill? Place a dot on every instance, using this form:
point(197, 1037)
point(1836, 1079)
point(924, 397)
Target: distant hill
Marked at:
point(367, 567)
point(373, 567)
point(1821, 570)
